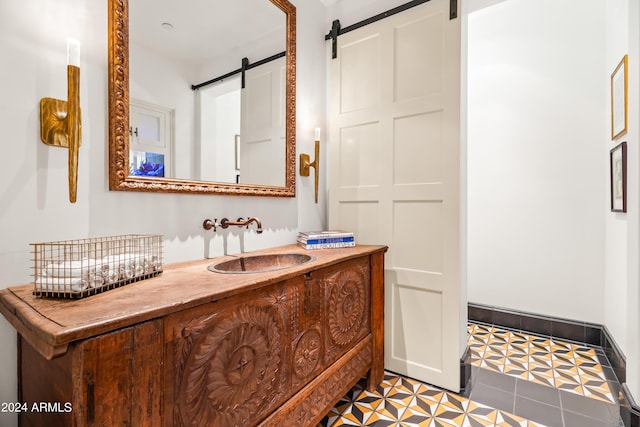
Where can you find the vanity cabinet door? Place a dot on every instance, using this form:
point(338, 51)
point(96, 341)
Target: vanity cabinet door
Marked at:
point(347, 306)
point(333, 311)
point(119, 380)
point(307, 344)
point(227, 360)
point(109, 380)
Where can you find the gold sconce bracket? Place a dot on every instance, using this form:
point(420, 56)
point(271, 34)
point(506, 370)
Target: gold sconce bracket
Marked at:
point(60, 125)
point(53, 123)
point(306, 164)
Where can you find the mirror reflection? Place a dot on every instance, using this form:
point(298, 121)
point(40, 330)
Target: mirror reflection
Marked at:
point(229, 130)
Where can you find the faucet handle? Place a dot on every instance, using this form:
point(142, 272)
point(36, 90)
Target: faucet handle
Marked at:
point(208, 224)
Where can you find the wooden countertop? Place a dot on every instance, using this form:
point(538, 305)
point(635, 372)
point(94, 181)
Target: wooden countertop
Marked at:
point(51, 324)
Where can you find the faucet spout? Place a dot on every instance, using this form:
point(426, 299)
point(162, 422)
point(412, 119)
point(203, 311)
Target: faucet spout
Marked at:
point(241, 222)
point(258, 224)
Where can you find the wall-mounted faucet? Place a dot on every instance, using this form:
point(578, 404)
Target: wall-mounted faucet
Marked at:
point(225, 223)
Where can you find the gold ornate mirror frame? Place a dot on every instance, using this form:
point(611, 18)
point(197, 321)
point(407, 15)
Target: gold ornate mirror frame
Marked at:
point(119, 178)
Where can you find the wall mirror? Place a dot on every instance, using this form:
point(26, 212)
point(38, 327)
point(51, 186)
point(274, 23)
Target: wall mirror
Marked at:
point(202, 98)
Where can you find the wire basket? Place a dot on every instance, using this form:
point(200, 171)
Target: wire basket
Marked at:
point(80, 268)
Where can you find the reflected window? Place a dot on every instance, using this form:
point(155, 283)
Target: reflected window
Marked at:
point(151, 142)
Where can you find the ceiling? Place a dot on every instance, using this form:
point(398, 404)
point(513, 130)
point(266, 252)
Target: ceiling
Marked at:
point(198, 31)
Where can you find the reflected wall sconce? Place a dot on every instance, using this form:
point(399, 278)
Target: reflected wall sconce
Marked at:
point(60, 124)
point(306, 163)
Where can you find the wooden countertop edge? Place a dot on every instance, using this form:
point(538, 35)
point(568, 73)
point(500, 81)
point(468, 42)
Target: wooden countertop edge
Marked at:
point(32, 326)
point(52, 339)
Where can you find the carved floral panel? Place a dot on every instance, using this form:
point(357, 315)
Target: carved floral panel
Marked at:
point(347, 301)
point(231, 364)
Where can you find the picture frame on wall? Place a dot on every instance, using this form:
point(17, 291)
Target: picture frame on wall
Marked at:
point(618, 167)
point(619, 99)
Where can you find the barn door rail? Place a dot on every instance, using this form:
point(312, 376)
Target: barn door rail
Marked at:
point(246, 65)
point(337, 30)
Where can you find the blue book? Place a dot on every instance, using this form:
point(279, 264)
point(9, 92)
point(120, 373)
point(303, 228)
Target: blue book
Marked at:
point(327, 240)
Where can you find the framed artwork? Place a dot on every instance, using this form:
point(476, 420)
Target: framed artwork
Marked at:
point(619, 99)
point(618, 166)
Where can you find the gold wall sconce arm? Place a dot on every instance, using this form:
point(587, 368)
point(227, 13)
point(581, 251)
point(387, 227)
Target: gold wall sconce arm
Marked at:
point(306, 163)
point(60, 122)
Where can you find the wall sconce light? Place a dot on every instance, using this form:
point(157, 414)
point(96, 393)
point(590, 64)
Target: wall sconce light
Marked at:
point(60, 124)
point(306, 163)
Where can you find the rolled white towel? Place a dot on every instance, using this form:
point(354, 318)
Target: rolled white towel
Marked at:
point(138, 270)
point(125, 272)
point(155, 263)
point(116, 262)
point(95, 281)
point(79, 269)
point(54, 284)
point(110, 276)
point(146, 267)
point(107, 274)
point(117, 259)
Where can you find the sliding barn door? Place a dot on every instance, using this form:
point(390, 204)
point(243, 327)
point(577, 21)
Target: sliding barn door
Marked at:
point(394, 177)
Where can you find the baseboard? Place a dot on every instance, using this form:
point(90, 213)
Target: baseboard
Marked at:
point(629, 409)
point(571, 330)
point(585, 332)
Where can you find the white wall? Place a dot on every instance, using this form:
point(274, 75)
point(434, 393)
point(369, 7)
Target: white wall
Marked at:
point(622, 297)
point(541, 235)
point(34, 192)
point(537, 174)
point(633, 254)
point(616, 223)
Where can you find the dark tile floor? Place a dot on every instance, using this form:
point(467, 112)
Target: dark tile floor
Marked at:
point(545, 405)
point(518, 379)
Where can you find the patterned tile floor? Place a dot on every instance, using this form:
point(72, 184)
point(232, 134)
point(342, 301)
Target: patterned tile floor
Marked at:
point(405, 402)
point(518, 380)
point(563, 365)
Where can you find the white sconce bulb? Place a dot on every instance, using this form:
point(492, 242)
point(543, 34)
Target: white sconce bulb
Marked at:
point(73, 52)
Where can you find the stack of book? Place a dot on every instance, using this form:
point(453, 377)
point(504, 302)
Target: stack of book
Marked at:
point(326, 239)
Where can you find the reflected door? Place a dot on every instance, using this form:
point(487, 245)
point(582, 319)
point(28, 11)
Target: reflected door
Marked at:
point(394, 178)
point(262, 125)
point(218, 131)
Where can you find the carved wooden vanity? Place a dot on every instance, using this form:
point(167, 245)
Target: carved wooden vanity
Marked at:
point(197, 348)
